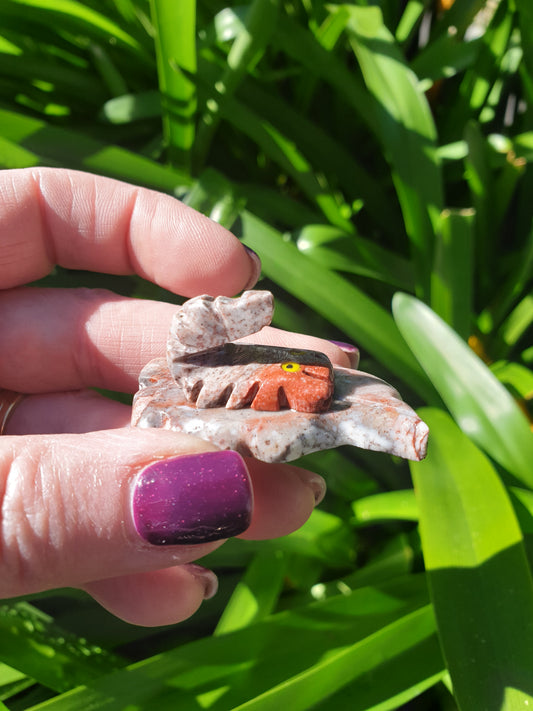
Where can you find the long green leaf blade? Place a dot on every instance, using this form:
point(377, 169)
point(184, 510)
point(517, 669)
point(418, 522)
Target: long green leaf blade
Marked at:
point(371, 663)
point(74, 17)
point(480, 404)
point(479, 576)
point(57, 146)
point(175, 44)
point(452, 275)
point(31, 642)
point(406, 130)
point(256, 594)
point(342, 639)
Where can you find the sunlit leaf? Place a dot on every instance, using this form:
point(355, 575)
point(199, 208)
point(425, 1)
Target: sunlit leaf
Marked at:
point(481, 405)
point(479, 575)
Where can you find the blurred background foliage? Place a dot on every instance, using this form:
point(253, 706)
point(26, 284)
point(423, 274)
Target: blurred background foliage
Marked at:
point(377, 155)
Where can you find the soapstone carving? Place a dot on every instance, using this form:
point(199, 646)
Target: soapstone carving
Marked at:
point(275, 404)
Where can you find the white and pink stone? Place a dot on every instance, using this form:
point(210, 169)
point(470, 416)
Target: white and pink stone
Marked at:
point(212, 391)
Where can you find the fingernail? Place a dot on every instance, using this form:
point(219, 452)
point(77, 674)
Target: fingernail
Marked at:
point(351, 351)
point(256, 267)
point(193, 499)
point(315, 482)
point(208, 579)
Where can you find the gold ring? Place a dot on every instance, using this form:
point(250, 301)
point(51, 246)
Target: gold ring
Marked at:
point(9, 399)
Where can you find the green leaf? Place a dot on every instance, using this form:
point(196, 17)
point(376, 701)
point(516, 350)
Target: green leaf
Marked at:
point(393, 560)
point(175, 45)
point(132, 107)
point(410, 20)
point(480, 404)
point(324, 537)
point(12, 682)
point(517, 378)
point(406, 129)
point(479, 577)
point(391, 505)
point(215, 197)
point(525, 17)
point(76, 17)
point(294, 658)
point(518, 321)
point(56, 146)
point(280, 149)
point(515, 284)
point(447, 56)
point(32, 643)
point(377, 664)
point(256, 594)
point(14, 156)
point(315, 59)
point(79, 86)
point(327, 154)
point(453, 271)
point(480, 180)
point(252, 38)
point(334, 249)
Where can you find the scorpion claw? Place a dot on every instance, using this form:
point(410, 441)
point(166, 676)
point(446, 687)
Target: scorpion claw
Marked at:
point(205, 322)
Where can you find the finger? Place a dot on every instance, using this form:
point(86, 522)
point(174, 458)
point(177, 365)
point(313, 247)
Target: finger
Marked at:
point(56, 339)
point(80, 508)
point(82, 221)
point(87, 411)
point(292, 496)
point(159, 597)
point(74, 412)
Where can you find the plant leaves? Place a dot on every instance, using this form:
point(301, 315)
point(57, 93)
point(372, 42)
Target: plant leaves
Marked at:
point(479, 577)
point(32, 643)
point(406, 130)
point(292, 659)
point(480, 404)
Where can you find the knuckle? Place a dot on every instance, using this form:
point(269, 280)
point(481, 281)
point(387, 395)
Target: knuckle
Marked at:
point(24, 522)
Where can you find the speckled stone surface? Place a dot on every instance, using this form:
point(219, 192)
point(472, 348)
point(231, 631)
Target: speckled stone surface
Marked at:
point(364, 411)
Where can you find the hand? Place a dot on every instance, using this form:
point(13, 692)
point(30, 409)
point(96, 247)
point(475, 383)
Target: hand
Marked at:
point(73, 505)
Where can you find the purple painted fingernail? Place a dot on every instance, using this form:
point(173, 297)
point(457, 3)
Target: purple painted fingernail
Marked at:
point(256, 267)
point(193, 499)
point(351, 351)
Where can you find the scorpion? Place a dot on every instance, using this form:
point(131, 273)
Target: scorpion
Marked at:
point(215, 372)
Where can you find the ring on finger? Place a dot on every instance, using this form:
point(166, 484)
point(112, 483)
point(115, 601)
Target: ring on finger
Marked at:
point(9, 399)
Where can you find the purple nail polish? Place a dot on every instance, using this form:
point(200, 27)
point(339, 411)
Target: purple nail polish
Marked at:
point(256, 264)
point(193, 499)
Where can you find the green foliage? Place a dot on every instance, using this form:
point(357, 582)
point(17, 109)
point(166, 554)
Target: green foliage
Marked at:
point(362, 149)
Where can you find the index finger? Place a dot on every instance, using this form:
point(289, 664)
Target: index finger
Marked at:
point(51, 216)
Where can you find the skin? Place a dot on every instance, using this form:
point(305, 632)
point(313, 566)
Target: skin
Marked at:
point(65, 484)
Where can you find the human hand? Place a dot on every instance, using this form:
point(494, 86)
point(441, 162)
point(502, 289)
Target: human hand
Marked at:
point(73, 487)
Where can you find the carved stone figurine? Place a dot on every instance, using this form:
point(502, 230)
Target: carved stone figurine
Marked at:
point(275, 404)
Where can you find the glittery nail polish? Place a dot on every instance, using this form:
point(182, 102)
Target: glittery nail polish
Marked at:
point(193, 499)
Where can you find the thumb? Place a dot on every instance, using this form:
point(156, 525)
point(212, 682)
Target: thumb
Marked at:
point(82, 508)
